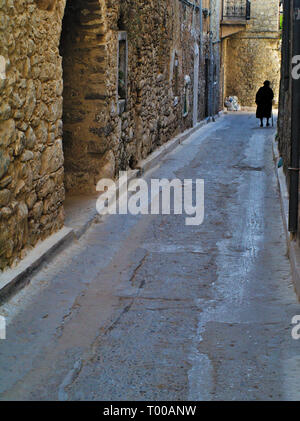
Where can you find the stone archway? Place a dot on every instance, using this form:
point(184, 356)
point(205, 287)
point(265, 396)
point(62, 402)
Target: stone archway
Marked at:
point(83, 51)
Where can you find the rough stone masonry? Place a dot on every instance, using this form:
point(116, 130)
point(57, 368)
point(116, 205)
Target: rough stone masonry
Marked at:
point(253, 55)
point(88, 88)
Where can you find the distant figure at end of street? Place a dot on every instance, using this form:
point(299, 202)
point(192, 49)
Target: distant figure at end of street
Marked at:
point(264, 98)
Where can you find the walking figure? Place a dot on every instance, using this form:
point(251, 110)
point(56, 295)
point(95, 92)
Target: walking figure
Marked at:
point(264, 98)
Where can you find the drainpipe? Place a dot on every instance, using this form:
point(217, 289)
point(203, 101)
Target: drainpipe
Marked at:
point(201, 28)
point(295, 130)
point(211, 65)
point(217, 45)
point(196, 49)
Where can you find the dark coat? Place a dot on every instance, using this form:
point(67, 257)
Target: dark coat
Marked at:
point(264, 99)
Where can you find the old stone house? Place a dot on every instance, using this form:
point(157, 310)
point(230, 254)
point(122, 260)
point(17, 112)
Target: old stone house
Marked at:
point(288, 113)
point(250, 47)
point(211, 10)
point(88, 88)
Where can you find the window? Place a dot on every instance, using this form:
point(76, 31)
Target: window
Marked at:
point(176, 76)
point(186, 95)
point(122, 71)
point(184, 12)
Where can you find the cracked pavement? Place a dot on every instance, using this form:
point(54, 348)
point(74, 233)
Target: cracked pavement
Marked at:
point(147, 308)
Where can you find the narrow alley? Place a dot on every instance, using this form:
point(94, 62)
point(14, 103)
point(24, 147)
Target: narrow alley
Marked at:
point(147, 308)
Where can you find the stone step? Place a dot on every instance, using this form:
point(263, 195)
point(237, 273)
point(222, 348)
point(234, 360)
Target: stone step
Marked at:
point(93, 29)
point(97, 78)
point(84, 49)
point(89, 18)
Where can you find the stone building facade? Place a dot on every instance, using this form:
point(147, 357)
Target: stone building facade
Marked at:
point(285, 97)
point(251, 50)
point(88, 88)
point(288, 129)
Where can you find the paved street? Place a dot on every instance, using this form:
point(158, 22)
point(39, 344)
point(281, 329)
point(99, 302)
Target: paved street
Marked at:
point(147, 308)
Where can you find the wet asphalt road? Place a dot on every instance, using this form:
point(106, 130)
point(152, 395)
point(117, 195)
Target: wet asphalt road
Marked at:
point(147, 308)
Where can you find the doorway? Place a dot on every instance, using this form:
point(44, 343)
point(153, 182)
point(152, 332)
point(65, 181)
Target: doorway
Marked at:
point(83, 53)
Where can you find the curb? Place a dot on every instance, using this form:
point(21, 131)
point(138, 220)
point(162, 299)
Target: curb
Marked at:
point(13, 279)
point(145, 165)
point(91, 216)
point(292, 247)
point(155, 157)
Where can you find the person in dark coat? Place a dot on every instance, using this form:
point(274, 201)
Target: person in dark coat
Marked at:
point(264, 98)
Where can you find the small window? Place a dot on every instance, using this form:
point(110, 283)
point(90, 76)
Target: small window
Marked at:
point(122, 71)
point(176, 76)
point(186, 103)
point(184, 12)
point(186, 96)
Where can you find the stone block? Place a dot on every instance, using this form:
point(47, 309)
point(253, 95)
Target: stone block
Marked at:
point(5, 181)
point(5, 112)
point(52, 158)
point(4, 197)
point(7, 132)
point(20, 143)
point(30, 138)
point(27, 156)
point(22, 211)
point(4, 163)
point(31, 199)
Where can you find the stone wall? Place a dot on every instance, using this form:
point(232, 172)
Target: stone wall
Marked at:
point(211, 56)
point(253, 55)
point(83, 47)
point(62, 122)
point(216, 9)
point(285, 99)
point(159, 37)
point(31, 157)
point(284, 125)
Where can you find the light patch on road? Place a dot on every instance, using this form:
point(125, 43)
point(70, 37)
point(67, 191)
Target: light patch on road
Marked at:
point(291, 369)
point(201, 373)
point(233, 280)
point(249, 229)
point(2, 328)
point(174, 248)
point(68, 380)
